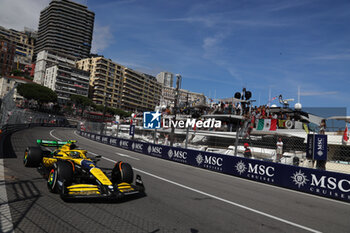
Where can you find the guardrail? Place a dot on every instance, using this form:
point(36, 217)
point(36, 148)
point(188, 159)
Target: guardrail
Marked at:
point(7, 130)
point(322, 183)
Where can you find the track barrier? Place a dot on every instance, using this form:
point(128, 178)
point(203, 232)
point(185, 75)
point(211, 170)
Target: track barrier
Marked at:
point(318, 182)
point(8, 129)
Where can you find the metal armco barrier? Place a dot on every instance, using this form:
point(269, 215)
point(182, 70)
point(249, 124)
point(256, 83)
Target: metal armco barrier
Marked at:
point(7, 130)
point(322, 183)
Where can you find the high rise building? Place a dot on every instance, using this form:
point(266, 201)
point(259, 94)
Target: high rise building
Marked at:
point(166, 78)
point(65, 27)
point(119, 86)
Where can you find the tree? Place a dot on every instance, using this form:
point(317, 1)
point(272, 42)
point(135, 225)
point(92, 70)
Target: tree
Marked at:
point(17, 73)
point(113, 111)
point(33, 91)
point(81, 101)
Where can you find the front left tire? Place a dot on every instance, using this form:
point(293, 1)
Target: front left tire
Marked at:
point(62, 172)
point(122, 172)
point(33, 156)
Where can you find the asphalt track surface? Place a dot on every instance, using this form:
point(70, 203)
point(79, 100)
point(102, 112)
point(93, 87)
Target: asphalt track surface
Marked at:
point(179, 198)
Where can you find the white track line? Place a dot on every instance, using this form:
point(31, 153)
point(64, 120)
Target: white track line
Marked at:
point(236, 177)
point(223, 200)
point(5, 214)
point(128, 156)
point(54, 135)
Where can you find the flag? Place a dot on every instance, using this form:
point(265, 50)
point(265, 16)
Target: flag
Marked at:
point(273, 125)
point(346, 135)
point(306, 128)
point(281, 123)
point(260, 125)
point(267, 124)
point(132, 119)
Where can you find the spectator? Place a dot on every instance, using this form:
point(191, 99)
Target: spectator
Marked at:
point(279, 150)
point(247, 153)
point(323, 127)
point(321, 164)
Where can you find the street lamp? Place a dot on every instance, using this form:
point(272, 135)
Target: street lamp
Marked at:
point(104, 111)
point(178, 86)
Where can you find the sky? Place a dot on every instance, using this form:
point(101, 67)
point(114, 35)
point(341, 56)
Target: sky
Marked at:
point(221, 46)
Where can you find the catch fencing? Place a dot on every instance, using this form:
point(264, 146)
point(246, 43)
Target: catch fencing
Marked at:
point(263, 145)
point(12, 114)
point(318, 182)
point(14, 118)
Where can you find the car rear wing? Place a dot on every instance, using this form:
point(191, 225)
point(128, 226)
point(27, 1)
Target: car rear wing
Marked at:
point(49, 143)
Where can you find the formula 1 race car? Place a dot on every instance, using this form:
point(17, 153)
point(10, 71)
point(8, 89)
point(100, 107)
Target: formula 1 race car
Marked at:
point(72, 174)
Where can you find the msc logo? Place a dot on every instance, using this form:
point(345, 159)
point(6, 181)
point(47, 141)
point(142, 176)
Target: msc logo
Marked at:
point(123, 143)
point(210, 160)
point(177, 154)
point(261, 170)
point(113, 141)
point(137, 146)
point(104, 139)
point(151, 120)
point(154, 150)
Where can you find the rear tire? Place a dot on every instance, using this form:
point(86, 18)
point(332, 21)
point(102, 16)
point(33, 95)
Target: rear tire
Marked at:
point(33, 156)
point(122, 172)
point(61, 172)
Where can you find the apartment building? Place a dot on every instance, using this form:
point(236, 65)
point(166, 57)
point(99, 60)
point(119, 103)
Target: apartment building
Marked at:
point(65, 27)
point(7, 53)
point(105, 80)
point(9, 82)
point(141, 92)
point(46, 59)
point(119, 86)
point(166, 78)
point(24, 42)
point(66, 80)
point(186, 98)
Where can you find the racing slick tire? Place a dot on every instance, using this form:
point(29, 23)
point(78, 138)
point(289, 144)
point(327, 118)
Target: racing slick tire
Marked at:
point(33, 156)
point(122, 172)
point(62, 172)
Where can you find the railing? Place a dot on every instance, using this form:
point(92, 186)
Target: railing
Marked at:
point(318, 182)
